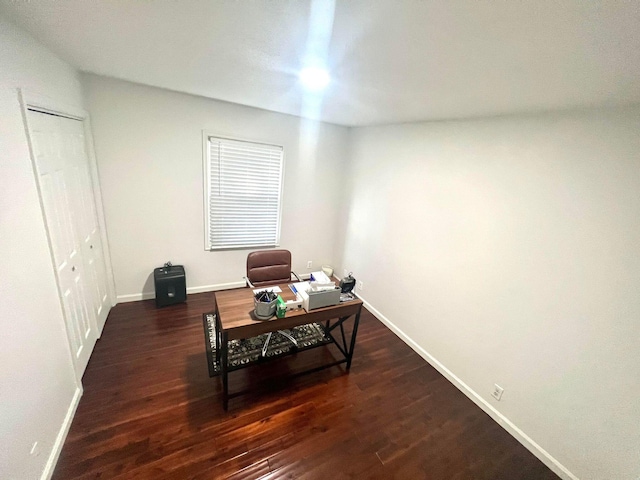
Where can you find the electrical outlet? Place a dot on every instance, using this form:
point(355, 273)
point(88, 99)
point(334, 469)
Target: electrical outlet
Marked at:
point(360, 285)
point(497, 391)
point(310, 264)
point(35, 450)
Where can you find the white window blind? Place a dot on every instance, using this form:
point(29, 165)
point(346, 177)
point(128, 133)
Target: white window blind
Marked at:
point(244, 192)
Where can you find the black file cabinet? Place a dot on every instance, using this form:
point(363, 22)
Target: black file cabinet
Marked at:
point(170, 284)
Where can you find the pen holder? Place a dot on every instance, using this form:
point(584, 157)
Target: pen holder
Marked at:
point(264, 310)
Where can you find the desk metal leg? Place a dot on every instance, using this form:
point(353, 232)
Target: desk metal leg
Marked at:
point(218, 338)
point(224, 366)
point(353, 339)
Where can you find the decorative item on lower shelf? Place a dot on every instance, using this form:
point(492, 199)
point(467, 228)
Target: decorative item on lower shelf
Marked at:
point(249, 350)
point(264, 303)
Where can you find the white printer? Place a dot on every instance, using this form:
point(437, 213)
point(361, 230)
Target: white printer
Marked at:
point(319, 292)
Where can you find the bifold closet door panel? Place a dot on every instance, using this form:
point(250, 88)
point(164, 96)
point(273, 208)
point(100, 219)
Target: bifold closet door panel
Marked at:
point(64, 179)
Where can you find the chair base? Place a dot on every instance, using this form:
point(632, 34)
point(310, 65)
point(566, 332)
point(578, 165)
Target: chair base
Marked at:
point(281, 332)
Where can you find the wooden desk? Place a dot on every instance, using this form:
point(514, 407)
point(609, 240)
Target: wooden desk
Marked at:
point(235, 320)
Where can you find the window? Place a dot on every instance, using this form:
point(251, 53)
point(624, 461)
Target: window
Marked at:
point(243, 193)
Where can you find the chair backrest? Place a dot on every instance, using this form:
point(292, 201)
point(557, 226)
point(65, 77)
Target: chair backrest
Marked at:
point(268, 267)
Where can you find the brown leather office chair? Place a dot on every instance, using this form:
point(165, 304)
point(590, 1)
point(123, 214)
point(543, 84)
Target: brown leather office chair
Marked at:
point(270, 267)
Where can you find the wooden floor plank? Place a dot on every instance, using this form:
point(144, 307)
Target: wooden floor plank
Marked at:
point(150, 410)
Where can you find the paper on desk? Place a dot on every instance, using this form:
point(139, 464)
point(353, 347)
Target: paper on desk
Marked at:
point(319, 287)
point(299, 287)
point(275, 289)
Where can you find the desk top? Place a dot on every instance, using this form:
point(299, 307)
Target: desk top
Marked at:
point(235, 313)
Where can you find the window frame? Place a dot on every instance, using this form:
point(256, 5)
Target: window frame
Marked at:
point(206, 136)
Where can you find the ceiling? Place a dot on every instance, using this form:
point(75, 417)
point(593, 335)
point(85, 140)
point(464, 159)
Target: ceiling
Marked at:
point(391, 61)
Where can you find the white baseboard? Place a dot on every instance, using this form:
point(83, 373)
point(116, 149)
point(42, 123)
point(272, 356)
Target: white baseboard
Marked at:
point(216, 287)
point(62, 436)
point(203, 288)
point(498, 417)
point(135, 297)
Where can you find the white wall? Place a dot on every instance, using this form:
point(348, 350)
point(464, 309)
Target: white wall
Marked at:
point(37, 383)
point(507, 249)
point(148, 144)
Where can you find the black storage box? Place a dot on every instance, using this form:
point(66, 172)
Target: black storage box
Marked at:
point(170, 284)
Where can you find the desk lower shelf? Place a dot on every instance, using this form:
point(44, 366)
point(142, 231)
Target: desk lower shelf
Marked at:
point(246, 352)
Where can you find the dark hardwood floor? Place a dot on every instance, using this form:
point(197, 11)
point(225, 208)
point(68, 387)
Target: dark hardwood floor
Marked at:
point(150, 410)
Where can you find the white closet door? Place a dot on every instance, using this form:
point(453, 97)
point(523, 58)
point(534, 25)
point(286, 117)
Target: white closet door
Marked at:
point(90, 236)
point(67, 196)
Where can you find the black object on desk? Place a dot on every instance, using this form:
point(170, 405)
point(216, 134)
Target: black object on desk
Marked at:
point(170, 284)
point(347, 284)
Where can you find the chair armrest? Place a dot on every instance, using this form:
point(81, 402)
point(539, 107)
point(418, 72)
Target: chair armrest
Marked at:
point(249, 282)
point(296, 275)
